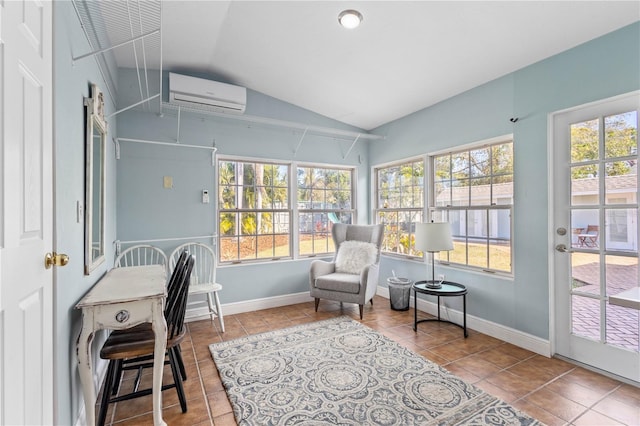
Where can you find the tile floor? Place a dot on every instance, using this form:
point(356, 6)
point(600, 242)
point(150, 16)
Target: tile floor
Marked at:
point(553, 391)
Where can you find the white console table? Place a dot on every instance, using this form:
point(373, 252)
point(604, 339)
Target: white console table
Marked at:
point(123, 298)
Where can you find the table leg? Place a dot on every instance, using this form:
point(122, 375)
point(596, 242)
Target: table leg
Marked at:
point(85, 367)
point(464, 313)
point(415, 310)
point(159, 326)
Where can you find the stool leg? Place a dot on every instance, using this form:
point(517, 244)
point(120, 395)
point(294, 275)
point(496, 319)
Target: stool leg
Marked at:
point(219, 310)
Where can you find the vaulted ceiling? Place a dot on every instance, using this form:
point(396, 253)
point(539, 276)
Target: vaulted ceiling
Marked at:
point(405, 56)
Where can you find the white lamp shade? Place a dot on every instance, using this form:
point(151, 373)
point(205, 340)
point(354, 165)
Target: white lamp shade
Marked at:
point(433, 236)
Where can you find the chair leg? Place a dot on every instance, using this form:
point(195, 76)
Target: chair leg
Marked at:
point(371, 301)
point(212, 310)
point(183, 371)
point(177, 379)
point(361, 310)
point(106, 392)
point(116, 384)
point(317, 303)
point(219, 310)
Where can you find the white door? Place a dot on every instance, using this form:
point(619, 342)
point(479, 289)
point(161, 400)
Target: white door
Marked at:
point(595, 187)
point(26, 187)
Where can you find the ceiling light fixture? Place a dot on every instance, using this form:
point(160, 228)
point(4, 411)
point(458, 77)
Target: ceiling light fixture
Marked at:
point(350, 18)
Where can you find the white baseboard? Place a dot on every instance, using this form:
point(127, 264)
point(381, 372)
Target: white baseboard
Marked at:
point(509, 335)
point(506, 334)
point(250, 305)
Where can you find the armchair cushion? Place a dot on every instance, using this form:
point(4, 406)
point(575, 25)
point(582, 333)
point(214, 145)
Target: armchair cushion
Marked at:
point(344, 283)
point(354, 255)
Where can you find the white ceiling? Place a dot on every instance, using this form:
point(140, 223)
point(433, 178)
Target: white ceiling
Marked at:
point(404, 57)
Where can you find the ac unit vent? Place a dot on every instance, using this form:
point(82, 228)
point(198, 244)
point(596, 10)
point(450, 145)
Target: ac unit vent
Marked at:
point(208, 95)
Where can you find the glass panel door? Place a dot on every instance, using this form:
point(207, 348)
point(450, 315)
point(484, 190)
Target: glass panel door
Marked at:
point(595, 201)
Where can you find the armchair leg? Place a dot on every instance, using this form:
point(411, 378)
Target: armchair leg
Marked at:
point(361, 310)
point(317, 303)
point(371, 301)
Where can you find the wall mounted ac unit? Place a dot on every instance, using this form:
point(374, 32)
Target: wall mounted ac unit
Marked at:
point(206, 94)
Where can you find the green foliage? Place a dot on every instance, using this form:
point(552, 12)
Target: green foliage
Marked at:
point(244, 185)
point(620, 141)
point(474, 167)
point(320, 188)
point(401, 185)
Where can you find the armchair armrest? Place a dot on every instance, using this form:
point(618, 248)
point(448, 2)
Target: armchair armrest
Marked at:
point(319, 268)
point(369, 279)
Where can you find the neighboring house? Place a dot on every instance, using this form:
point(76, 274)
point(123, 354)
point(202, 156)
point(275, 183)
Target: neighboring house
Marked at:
point(498, 226)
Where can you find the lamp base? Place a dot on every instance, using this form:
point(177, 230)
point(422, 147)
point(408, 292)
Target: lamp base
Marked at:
point(433, 284)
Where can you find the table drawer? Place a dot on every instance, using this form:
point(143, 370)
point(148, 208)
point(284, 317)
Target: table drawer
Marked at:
point(123, 315)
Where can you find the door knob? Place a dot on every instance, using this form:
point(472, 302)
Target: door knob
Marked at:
point(54, 259)
point(562, 248)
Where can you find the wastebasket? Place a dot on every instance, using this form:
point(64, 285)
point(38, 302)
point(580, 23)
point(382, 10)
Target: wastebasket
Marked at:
point(399, 293)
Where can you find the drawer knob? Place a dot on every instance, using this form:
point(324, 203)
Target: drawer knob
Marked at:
point(122, 316)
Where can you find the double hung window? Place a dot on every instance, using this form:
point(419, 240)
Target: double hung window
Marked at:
point(254, 210)
point(324, 197)
point(472, 189)
point(259, 200)
point(399, 204)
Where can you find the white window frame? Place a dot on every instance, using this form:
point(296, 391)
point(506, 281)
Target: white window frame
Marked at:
point(419, 211)
point(442, 213)
point(238, 211)
point(325, 213)
point(293, 209)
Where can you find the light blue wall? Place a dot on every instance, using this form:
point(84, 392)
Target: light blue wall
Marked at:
point(146, 210)
point(71, 84)
point(599, 69)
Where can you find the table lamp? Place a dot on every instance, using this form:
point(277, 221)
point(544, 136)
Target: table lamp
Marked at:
point(433, 237)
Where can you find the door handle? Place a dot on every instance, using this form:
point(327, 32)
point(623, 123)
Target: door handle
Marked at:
point(55, 259)
point(562, 248)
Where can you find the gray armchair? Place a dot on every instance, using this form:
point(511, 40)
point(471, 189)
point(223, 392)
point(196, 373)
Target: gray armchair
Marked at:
point(338, 280)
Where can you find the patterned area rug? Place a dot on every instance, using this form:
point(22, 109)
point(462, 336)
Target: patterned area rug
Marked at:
point(341, 372)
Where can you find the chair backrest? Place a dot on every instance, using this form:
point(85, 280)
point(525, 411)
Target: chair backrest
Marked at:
point(141, 255)
point(592, 229)
point(368, 233)
point(204, 270)
point(177, 294)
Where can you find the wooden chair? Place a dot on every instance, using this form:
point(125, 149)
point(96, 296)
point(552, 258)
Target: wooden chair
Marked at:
point(203, 279)
point(590, 236)
point(138, 255)
point(132, 349)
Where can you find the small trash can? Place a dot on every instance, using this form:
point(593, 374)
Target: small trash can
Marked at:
point(399, 293)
